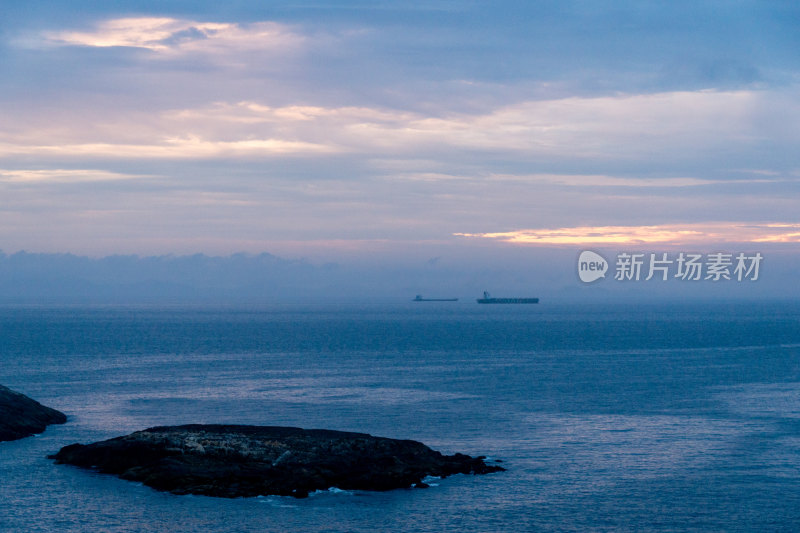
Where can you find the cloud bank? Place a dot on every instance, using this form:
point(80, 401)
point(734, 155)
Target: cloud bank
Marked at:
point(696, 234)
point(154, 130)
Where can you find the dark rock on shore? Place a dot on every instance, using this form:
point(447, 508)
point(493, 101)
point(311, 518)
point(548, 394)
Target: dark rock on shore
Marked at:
point(239, 461)
point(22, 417)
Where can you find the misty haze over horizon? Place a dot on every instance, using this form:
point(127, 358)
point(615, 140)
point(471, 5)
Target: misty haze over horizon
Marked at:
point(247, 279)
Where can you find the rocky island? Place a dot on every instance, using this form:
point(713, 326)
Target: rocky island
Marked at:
point(22, 417)
point(240, 461)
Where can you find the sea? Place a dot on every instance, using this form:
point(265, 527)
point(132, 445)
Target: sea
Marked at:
point(607, 416)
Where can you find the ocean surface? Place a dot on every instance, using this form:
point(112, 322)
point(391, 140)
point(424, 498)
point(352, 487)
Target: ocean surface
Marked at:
point(624, 417)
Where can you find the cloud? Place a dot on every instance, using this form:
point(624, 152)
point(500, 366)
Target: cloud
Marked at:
point(592, 180)
point(626, 127)
point(634, 128)
point(189, 147)
point(64, 176)
point(348, 125)
point(599, 180)
point(251, 112)
point(621, 126)
point(781, 233)
point(176, 36)
point(667, 234)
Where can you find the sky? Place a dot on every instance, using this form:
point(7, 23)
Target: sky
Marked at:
point(377, 131)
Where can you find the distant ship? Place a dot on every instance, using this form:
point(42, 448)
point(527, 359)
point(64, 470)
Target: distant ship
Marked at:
point(487, 299)
point(419, 298)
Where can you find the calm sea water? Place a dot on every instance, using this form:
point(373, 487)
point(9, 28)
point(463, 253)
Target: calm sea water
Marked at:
point(660, 417)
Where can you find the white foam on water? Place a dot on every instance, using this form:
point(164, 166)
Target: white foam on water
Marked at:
point(429, 480)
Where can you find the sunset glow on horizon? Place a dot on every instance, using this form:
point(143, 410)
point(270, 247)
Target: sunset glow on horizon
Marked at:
point(668, 234)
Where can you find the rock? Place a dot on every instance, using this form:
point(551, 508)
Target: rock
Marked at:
point(21, 416)
point(240, 461)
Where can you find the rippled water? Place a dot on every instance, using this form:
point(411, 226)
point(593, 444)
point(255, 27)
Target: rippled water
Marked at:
point(663, 417)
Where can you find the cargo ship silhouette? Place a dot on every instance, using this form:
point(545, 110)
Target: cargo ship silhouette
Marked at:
point(419, 298)
point(487, 299)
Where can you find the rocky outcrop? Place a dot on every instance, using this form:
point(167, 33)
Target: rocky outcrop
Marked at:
point(22, 417)
point(234, 461)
